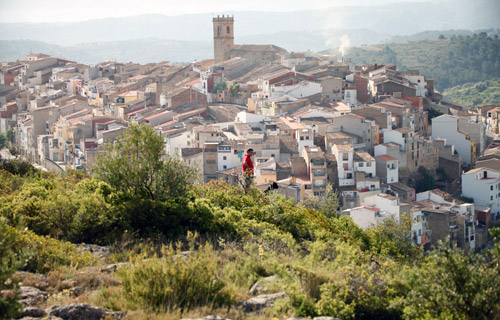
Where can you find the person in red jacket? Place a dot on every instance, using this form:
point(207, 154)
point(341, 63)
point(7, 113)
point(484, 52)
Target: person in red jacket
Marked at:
point(247, 168)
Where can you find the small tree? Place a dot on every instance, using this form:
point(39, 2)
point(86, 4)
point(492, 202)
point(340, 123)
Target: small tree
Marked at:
point(137, 165)
point(328, 206)
point(234, 88)
point(425, 180)
point(220, 84)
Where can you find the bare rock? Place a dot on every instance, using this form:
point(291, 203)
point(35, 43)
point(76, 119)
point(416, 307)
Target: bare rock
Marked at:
point(76, 291)
point(83, 311)
point(34, 312)
point(30, 296)
point(261, 301)
point(261, 286)
point(99, 251)
point(115, 266)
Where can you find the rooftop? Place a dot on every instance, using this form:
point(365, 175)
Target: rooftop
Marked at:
point(386, 157)
point(344, 147)
point(363, 156)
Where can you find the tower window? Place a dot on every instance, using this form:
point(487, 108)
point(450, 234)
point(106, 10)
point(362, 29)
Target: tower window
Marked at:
point(228, 30)
point(218, 30)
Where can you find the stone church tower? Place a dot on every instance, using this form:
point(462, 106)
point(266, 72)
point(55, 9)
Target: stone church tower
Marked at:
point(223, 37)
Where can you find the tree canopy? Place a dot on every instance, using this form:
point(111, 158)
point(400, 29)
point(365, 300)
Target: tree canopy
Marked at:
point(450, 62)
point(137, 165)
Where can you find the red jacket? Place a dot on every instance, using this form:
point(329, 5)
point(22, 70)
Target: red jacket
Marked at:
point(249, 168)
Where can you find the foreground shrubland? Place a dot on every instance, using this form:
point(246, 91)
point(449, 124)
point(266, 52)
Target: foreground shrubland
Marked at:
point(200, 249)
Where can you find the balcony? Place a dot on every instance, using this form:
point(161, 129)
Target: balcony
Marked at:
point(319, 186)
point(319, 173)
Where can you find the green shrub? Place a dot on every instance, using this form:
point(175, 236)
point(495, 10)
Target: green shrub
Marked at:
point(17, 167)
point(10, 261)
point(48, 253)
point(176, 281)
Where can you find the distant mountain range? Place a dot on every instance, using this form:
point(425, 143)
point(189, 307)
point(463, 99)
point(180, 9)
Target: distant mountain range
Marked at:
point(183, 38)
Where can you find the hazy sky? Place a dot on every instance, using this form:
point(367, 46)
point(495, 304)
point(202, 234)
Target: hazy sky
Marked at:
point(69, 10)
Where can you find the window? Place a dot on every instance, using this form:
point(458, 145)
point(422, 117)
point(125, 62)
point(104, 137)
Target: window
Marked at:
point(361, 164)
point(224, 167)
point(228, 30)
point(491, 198)
point(346, 166)
point(349, 176)
point(345, 156)
point(224, 158)
point(368, 164)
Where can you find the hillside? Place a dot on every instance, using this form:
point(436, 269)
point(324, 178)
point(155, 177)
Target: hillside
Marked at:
point(397, 18)
point(175, 249)
point(140, 51)
point(472, 94)
point(451, 62)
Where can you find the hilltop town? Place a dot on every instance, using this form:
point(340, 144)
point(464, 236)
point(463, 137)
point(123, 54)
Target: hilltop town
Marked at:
point(384, 139)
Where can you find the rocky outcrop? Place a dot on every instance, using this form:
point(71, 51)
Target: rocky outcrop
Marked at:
point(115, 266)
point(99, 251)
point(261, 301)
point(82, 311)
point(34, 312)
point(29, 296)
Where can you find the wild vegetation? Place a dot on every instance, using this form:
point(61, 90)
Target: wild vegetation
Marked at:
point(473, 94)
point(197, 250)
point(450, 61)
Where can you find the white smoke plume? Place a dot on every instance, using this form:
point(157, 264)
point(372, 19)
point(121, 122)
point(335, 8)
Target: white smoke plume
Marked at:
point(344, 44)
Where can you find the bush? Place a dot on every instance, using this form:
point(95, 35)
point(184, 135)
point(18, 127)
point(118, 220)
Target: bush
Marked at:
point(47, 253)
point(176, 281)
point(10, 261)
point(17, 167)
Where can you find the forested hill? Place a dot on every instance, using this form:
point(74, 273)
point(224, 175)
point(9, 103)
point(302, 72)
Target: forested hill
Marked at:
point(451, 62)
point(471, 94)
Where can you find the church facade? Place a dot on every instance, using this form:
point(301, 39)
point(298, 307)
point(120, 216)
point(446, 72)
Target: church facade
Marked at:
point(225, 49)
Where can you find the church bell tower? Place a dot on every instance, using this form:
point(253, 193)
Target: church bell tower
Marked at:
point(223, 37)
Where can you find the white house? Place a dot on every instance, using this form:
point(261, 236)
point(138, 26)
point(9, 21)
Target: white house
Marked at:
point(417, 228)
point(345, 163)
point(447, 127)
point(366, 216)
point(227, 158)
point(387, 168)
point(350, 97)
point(305, 137)
point(302, 89)
point(386, 202)
point(175, 142)
point(483, 185)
